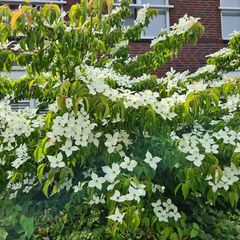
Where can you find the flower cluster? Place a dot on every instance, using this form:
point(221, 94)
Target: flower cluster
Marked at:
point(113, 141)
point(227, 135)
point(230, 175)
point(120, 45)
point(95, 80)
point(206, 69)
point(158, 39)
point(22, 156)
point(142, 14)
point(165, 210)
point(173, 79)
point(221, 53)
point(17, 124)
point(135, 191)
point(73, 127)
point(189, 144)
point(25, 186)
point(183, 25)
point(232, 103)
point(96, 200)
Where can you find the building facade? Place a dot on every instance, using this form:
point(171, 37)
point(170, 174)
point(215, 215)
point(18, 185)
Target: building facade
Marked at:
point(220, 18)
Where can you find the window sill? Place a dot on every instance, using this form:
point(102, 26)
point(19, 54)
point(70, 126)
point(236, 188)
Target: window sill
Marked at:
point(230, 8)
point(156, 6)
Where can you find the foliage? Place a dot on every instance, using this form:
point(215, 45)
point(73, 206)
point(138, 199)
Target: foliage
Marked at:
point(129, 155)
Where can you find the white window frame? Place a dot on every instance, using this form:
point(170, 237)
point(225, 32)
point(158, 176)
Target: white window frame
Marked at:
point(227, 10)
point(165, 8)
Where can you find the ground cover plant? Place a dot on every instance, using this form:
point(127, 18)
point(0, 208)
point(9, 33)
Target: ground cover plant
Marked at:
point(110, 151)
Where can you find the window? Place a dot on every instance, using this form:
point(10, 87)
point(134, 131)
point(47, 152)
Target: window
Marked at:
point(18, 72)
point(230, 14)
point(158, 23)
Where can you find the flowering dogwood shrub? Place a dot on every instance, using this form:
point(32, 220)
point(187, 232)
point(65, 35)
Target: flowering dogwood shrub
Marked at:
point(136, 150)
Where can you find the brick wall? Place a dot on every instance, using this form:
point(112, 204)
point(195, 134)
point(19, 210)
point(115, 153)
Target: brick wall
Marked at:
point(193, 56)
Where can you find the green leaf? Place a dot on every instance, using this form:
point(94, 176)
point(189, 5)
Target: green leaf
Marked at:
point(166, 232)
point(233, 198)
point(3, 234)
point(180, 232)
point(149, 172)
point(64, 87)
point(27, 225)
point(145, 221)
point(40, 170)
point(134, 220)
point(49, 181)
point(194, 233)
point(62, 175)
point(174, 236)
point(55, 188)
point(195, 226)
point(61, 101)
point(38, 153)
point(177, 188)
point(110, 5)
point(46, 187)
point(185, 190)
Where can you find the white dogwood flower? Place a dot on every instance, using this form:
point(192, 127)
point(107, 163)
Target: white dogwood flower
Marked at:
point(111, 141)
point(152, 161)
point(68, 148)
point(111, 186)
point(135, 192)
point(196, 158)
point(97, 200)
point(96, 181)
point(2, 162)
point(117, 197)
point(56, 161)
point(156, 187)
point(78, 187)
point(117, 216)
point(111, 172)
point(128, 164)
point(165, 210)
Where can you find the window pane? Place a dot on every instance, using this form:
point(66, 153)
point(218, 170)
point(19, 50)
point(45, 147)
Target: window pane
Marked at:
point(155, 2)
point(230, 22)
point(157, 24)
point(230, 3)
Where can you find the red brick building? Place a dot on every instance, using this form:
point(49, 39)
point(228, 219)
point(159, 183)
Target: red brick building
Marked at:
point(220, 18)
